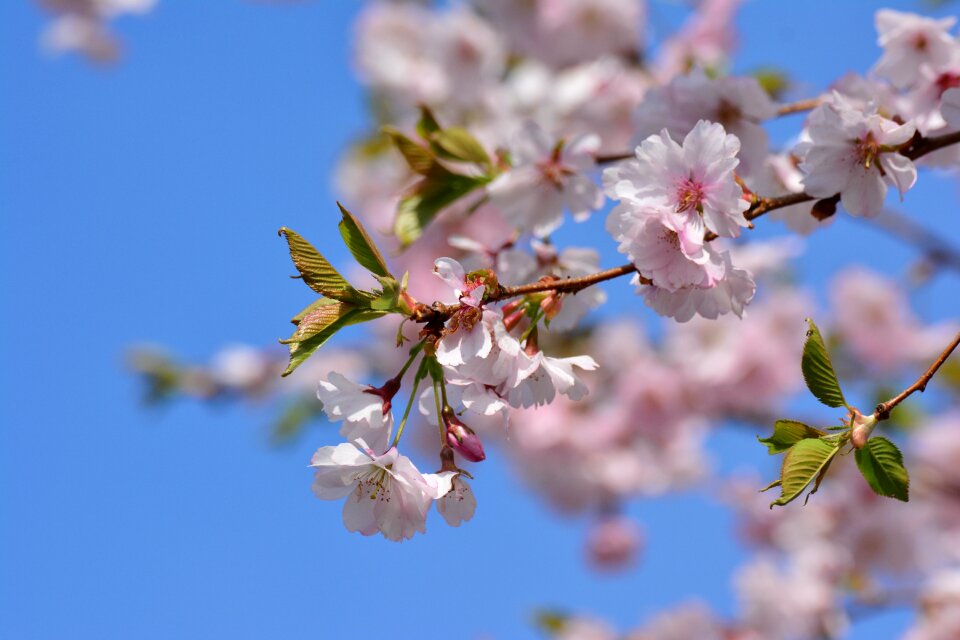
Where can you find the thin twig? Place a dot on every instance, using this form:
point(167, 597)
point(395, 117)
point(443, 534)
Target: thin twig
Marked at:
point(883, 409)
point(798, 106)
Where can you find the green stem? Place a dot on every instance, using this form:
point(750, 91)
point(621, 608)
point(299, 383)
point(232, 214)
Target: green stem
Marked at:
point(406, 412)
point(417, 348)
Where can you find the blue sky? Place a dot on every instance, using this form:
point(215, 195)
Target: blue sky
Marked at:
point(140, 203)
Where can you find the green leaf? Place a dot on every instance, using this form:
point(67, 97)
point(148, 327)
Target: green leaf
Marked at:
point(302, 349)
point(319, 302)
point(316, 272)
point(881, 464)
point(388, 297)
point(775, 483)
point(427, 125)
point(457, 143)
point(420, 159)
point(787, 433)
point(805, 461)
point(428, 197)
point(818, 370)
point(318, 319)
point(360, 245)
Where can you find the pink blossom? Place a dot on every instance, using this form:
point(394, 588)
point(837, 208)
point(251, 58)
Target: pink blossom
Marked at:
point(547, 177)
point(385, 493)
point(910, 41)
point(695, 180)
point(737, 103)
point(854, 153)
point(365, 415)
point(732, 293)
point(459, 504)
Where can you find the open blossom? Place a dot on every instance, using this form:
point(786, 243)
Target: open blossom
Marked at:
point(385, 493)
point(463, 340)
point(551, 376)
point(695, 179)
point(854, 153)
point(910, 41)
point(731, 294)
point(739, 104)
point(656, 243)
point(459, 504)
point(366, 416)
point(547, 177)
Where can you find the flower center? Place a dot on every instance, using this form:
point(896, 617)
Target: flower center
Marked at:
point(690, 195)
point(554, 172)
point(867, 149)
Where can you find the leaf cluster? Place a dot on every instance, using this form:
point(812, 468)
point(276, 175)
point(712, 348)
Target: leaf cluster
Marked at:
point(809, 452)
point(341, 303)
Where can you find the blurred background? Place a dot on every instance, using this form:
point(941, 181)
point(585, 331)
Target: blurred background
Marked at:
point(139, 203)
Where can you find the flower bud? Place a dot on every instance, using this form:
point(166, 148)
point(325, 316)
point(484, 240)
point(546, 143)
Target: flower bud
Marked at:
point(462, 438)
point(552, 304)
point(862, 427)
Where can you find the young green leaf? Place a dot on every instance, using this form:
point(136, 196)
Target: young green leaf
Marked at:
point(428, 197)
point(787, 433)
point(360, 245)
point(427, 125)
point(420, 159)
point(818, 370)
point(319, 302)
point(318, 319)
point(316, 272)
point(457, 143)
point(805, 462)
point(387, 298)
point(300, 350)
point(881, 464)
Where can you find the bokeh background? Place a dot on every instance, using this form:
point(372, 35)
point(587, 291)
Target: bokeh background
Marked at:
point(140, 202)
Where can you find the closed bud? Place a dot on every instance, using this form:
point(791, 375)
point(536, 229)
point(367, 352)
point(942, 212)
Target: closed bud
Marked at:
point(462, 438)
point(552, 304)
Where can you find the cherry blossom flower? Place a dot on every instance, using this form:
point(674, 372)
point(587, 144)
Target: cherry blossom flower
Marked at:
point(854, 153)
point(695, 179)
point(547, 177)
point(385, 493)
point(366, 416)
point(550, 377)
point(463, 341)
point(459, 504)
point(910, 41)
point(732, 293)
point(657, 243)
point(737, 103)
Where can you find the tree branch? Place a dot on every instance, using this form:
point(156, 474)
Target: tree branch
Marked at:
point(883, 409)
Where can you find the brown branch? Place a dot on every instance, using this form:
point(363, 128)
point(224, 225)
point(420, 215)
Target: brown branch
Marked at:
point(614, 157)
point(566, 285)
point(883, 409)
point(798, 107)
point(923, 146)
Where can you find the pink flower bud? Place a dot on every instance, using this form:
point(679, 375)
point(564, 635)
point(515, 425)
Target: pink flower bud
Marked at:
point(552, 304)
point(613, 543)
point(462, 438)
